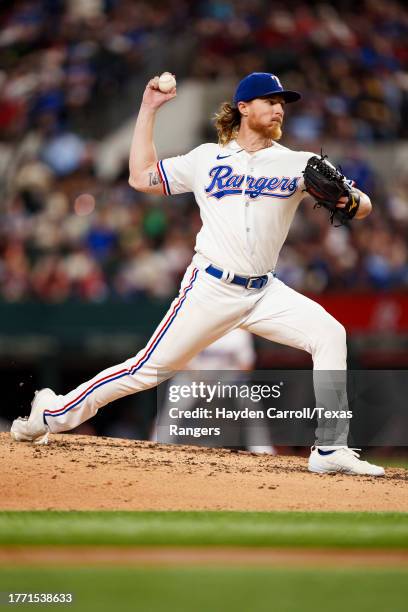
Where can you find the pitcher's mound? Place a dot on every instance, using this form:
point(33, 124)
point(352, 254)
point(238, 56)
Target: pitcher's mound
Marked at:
point(90, 473)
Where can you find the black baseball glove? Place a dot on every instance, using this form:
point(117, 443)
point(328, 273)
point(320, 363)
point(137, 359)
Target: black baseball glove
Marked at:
point(327, 185)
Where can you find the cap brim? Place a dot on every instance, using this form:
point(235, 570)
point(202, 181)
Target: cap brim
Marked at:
point(287, 95)
point(291, 96)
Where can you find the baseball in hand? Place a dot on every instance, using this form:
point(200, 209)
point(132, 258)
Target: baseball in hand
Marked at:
point(167, 82)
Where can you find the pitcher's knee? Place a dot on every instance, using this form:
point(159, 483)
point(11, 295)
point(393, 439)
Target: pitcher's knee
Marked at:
point(331, 333)
point(338, 332)
point(335, 331)
point(329, 348)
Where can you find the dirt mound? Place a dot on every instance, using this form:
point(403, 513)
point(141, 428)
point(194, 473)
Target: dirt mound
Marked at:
point(89, 473)
point(170, 555)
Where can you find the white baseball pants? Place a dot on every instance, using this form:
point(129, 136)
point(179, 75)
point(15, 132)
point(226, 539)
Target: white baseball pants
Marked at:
point(206, 309)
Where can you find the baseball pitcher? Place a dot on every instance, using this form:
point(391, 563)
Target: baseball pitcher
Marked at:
point(248, 188)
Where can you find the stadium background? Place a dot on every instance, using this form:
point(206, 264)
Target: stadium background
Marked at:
point(88, 265)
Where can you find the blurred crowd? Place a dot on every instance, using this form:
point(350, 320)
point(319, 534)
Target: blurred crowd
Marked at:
point(59, 241)
point(61, 58)
point(64, 233)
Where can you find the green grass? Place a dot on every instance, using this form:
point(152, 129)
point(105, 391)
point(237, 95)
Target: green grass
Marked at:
point(216, 589)
point(315, 529)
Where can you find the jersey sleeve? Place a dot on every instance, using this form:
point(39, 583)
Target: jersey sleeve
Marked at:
point(177, 173)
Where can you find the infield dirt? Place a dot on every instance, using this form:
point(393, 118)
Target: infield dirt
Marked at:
point(90, 473)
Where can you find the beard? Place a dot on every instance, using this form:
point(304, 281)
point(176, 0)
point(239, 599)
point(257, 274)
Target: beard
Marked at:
point(277, 131)
point(269, 132)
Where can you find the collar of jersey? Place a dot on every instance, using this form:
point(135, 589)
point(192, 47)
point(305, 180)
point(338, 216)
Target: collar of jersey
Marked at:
point(233, 146)
point(236, 148)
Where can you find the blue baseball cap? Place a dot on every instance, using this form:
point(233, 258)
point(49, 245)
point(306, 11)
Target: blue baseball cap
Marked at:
point(261, 84)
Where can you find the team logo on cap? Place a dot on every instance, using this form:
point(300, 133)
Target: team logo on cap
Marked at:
point(277, 81)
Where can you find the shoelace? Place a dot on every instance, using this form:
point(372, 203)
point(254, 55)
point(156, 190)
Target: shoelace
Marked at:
point(352, 451)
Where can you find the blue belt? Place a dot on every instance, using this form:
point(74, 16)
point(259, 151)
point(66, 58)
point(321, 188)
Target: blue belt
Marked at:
point(249, 282)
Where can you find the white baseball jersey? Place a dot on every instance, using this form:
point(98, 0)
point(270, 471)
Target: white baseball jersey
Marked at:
point(247, 201)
